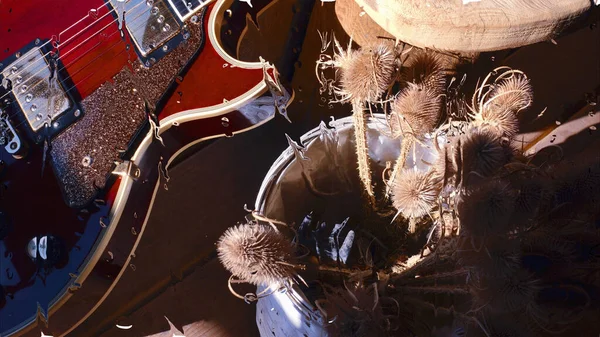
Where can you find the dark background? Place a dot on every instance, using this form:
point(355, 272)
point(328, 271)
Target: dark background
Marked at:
point(177, 274)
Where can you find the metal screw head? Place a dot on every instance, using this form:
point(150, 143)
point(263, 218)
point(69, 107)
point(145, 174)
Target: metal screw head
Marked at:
point(77, 113)
point(194, 19)
point(56, 125)
point(13, 146)
point(86, 161)
point(165, 48)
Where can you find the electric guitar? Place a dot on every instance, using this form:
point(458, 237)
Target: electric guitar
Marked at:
point(96, 101)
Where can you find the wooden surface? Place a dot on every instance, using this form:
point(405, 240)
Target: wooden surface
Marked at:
point(473, 25)
point(358, 24)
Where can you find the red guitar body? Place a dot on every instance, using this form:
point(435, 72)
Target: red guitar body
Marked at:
point(86, 148)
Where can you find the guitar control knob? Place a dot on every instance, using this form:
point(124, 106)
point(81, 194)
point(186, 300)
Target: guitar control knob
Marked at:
point(47, 251)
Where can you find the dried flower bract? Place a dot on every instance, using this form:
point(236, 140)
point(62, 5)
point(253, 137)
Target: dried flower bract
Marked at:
point(415, 193)
point(256, 253)
point(416, 110)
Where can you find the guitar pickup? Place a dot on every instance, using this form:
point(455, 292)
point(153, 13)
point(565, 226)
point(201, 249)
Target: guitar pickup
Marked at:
point(151, 26)
point(40, 91)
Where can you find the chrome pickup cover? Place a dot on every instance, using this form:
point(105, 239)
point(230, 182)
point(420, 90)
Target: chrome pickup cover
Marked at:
point(149, 23)
point(41, 98)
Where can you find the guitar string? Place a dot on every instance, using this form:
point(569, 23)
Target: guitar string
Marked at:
point(93, 47)
point(80, 31)
point(83, 54)
point(76, 34)
point(89, 63)
point(34, 50)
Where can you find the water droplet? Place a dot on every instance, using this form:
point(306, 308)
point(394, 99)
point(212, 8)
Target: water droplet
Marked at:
point(154, 10)
point(29, 98)
point(149, 3)
point(33, 107)
point(160, 19)
point(166, 28)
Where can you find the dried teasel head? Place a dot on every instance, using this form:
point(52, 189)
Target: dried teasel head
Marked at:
point(427, 68)
point(487, 209)
point(256, 253)
point(416, 110)
point(499, 106)
point(480, 152)
point(414, 193)
point(366, 73)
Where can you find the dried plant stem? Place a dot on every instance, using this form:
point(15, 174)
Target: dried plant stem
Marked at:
point(407, 143)
point(362, 150)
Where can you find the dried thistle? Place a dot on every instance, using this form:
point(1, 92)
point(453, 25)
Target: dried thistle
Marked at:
point(513, 93)
point(365, 74)
point(425, 68)
point(480, 152)
point(256, 253)
point(416, 110)
point(487, 209)
point(415, 193)
point(497, 104)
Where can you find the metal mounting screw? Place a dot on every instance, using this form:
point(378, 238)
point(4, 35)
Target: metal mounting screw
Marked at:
point(194, 19)
point(77, 113)
point(86, 161)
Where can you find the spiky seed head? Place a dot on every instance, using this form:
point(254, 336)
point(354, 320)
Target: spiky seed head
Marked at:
point(513, 93)
point(492, 257)
point(427, 68)
point(511, 292)
point(366, 73)
point(487, 209)
point(415, 193)
point(416, 110)
point(480, 153)
point(256, 253)
point(508, 97)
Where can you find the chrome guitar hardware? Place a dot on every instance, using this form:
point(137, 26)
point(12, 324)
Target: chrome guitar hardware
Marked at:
point(150, 24)
point(41, 94)
point(127, 169)
point(8, 137)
